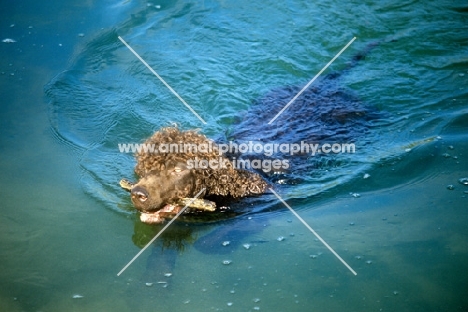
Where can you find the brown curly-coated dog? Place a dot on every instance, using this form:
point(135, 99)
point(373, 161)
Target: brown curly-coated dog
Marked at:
point(166, 176)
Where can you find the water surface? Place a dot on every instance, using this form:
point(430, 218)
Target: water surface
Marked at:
point(73, 91)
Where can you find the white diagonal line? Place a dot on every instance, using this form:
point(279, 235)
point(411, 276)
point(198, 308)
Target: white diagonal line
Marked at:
point(310, 82)
point(162, 80)
point(160, 232)
point(313, 232)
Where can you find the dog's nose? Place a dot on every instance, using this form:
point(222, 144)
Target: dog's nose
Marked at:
point(139, 193)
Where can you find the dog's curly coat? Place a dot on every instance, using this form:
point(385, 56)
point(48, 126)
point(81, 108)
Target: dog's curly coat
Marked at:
point(166, 177)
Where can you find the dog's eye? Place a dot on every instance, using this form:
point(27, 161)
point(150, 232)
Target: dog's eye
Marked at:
point(141, 197)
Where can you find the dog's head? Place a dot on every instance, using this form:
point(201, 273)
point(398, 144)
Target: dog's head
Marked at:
point(163, 186)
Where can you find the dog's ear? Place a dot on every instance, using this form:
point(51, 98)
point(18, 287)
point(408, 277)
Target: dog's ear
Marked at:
point(176, 165)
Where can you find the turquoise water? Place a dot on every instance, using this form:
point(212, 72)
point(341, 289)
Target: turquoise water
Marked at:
point(72, 91)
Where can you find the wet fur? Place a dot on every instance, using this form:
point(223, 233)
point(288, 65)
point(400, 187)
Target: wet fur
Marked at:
point(165, 177)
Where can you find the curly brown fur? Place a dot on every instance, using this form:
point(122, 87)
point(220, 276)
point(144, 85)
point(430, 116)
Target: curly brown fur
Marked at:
point(166, 176)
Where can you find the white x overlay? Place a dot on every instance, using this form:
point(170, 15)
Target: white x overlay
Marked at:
point(204, 122)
